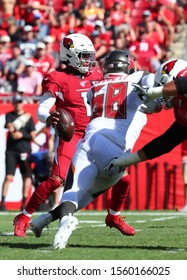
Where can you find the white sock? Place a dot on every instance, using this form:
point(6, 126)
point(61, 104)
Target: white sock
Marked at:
point(115, 213)
point(26, 213)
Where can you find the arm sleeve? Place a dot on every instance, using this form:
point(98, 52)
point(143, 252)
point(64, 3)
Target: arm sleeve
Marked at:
point(181, 85)
point(46, 103)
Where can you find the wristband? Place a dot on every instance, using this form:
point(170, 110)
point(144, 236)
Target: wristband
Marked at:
point(154, 92)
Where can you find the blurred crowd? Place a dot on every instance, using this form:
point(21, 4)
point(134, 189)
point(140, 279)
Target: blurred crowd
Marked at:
point(31, 32)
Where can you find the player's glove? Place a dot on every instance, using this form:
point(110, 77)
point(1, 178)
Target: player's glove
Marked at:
point(142, 90)
point(148, 93)
point(154, 106)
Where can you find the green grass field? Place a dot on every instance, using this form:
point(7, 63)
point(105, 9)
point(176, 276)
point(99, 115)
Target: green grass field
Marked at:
point(161, 235)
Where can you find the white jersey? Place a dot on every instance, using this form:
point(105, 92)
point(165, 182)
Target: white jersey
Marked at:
point(115, 126)
point(114, 104)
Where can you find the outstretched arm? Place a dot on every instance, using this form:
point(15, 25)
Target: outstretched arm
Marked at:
point(177, 86)
point(160, 145)
point(128, 160)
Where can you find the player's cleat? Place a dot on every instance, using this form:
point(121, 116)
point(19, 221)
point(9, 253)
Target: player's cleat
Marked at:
point(118, 223)
point(21, 223)
point(66, 226)
point(37, 225)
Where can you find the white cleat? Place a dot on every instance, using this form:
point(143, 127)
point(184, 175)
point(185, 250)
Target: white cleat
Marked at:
point(38, 224)
point(66, 226)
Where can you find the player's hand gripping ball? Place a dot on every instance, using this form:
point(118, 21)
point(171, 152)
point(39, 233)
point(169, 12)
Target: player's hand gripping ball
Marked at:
point(65, 127)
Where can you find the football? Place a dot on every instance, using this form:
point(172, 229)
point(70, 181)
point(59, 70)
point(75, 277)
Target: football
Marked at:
point(65, 126)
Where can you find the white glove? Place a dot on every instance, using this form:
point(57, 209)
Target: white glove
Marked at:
point(154, 106)
point(148, 93)
point(142, 90)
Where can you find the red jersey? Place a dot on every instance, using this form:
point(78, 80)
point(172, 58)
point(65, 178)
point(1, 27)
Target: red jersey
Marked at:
point(70, 92)
point(145, 48)
point(43, 64)
point(27, 13)
point(117, 17)
point(180, 109)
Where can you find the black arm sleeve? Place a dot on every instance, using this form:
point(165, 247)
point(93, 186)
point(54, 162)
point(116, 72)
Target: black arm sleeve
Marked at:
point(166, 142)
point(181, 85)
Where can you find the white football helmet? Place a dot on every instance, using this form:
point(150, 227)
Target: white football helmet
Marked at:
point(78, 51)
point(170, 69)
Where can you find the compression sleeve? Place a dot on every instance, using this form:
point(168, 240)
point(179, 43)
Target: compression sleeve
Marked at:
point(181, 85)
point(46, 103)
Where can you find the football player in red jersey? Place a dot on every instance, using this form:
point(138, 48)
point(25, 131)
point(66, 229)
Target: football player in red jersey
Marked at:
point(67, 88)
point(175, 72)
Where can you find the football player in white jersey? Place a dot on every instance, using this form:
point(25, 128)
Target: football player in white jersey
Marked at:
point(115, 126)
